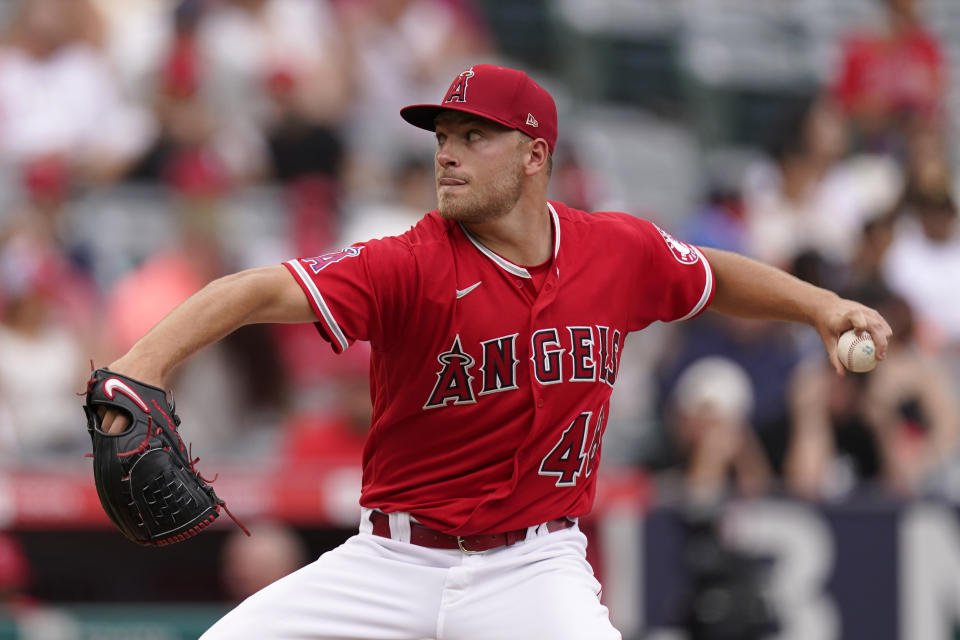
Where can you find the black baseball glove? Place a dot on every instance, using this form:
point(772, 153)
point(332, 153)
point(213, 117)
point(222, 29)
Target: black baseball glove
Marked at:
point(145, 478)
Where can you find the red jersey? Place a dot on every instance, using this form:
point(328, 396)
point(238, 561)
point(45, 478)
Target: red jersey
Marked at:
point(901, 74)
point(490, 395)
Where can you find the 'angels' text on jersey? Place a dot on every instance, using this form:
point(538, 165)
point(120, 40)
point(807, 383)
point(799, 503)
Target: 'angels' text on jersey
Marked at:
point(572, 354)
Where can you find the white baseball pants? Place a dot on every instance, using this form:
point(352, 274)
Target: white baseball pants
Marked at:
point(376, 588)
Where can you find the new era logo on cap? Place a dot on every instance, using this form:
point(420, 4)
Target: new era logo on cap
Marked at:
point(504, 95)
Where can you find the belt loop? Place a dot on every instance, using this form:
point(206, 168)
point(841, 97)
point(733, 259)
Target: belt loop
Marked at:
point(400, 526)
point(366, 525)
point(532, 532)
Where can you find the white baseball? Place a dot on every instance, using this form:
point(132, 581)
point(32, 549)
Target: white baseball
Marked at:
point(857, 352)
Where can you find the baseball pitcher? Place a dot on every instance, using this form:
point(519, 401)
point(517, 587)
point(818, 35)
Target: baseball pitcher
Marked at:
point(496, 325)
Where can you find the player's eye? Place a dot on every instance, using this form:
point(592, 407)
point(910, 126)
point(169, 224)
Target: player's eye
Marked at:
point(440, 139)
point(473, 135)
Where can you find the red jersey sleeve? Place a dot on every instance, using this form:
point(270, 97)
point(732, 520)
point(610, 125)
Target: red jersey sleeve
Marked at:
point(675, 280)
point(358, 293)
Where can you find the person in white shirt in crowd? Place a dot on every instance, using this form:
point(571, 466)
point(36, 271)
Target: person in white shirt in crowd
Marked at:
point(922, 263)
point(42, 355)
point(811, 196)
point(58, 94)
point(896, 427)
point(401, 51)
point(292, 64)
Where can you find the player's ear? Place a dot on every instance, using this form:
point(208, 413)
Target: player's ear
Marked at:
point(537, 157)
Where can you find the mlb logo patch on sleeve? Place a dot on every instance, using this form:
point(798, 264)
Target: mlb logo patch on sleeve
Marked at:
point(681, 250)
point(320, 263)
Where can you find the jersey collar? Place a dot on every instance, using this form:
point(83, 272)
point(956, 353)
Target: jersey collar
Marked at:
point(505, 264)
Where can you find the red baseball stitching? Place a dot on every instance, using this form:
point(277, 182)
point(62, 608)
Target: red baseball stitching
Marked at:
point(857, 340)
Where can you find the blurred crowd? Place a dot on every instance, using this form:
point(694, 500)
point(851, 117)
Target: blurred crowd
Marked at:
point(855, 192)
point(187, 104)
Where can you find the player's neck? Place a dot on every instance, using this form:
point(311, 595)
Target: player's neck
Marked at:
point(524, 236)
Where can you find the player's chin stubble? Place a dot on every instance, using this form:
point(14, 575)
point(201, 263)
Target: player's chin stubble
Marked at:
point(481, 203)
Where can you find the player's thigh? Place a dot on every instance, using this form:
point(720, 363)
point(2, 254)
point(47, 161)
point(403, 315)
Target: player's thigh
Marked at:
point(553, 597)
point(558, 604)
point(358, 591)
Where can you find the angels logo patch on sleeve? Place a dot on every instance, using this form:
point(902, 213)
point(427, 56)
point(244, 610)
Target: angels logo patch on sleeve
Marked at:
point(319, 263)
point(682, 251)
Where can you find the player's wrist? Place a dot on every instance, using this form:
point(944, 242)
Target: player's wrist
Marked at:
point(142, 368)
point(820, 308)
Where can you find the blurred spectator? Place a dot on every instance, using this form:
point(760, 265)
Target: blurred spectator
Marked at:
point(810, 197)
point(923, 261)
point(411, 194)
point(230, 390)
point(58, 97)
point(891, 78)
point(135, 35)
point(273, 107)
point(41, 209)
point(572, 182)
point(185, 152)
point(250, 563)
point(897, 425)
point(402, 50)
point(43, 355)
point(334, 428)
point(719, 222)
point(766, 352)
point(145, 294)
point(710, 414)
point(866, 267)
point(276, 74)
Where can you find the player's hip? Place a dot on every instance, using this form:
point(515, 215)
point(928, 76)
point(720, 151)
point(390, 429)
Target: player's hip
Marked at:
point(401, 532)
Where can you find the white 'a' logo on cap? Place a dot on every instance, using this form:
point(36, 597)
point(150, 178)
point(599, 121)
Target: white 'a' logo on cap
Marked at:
point(458, 92)
point(531, 121)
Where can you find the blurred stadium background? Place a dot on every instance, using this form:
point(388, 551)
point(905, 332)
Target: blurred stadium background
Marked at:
point(148, 146)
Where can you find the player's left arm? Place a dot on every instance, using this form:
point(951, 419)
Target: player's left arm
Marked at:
point(751, 289)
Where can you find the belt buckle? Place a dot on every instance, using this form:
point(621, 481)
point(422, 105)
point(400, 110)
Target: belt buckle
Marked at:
point(469, 552)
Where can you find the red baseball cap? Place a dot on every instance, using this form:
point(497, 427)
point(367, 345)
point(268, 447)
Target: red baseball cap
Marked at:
point(507, 96)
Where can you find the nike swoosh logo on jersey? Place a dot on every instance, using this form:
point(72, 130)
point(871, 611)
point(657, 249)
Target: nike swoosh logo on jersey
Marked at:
point(463, 292)
point(112, 385)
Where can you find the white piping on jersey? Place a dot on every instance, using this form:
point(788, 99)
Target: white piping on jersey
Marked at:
point(505, 264)
point(321, 303)
point(707, 288)
point(556, 226)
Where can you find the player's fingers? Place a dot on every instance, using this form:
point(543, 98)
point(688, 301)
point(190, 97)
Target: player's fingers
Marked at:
point(120, 423)
point(869, 320)
point(881, 333)
point(858, 321)
point(112, 421)
point(105, 418)
point(830, 344)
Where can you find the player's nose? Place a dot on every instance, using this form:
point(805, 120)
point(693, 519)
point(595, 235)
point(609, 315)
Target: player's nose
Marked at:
point(445, 157)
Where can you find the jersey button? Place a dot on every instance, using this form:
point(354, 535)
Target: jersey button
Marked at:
point(540, 403)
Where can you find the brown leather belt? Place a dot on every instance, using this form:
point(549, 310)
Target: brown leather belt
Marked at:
point(424, 536)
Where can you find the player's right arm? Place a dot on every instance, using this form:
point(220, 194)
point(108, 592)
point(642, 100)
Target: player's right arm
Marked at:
point(751, 289)
point(263, 294)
